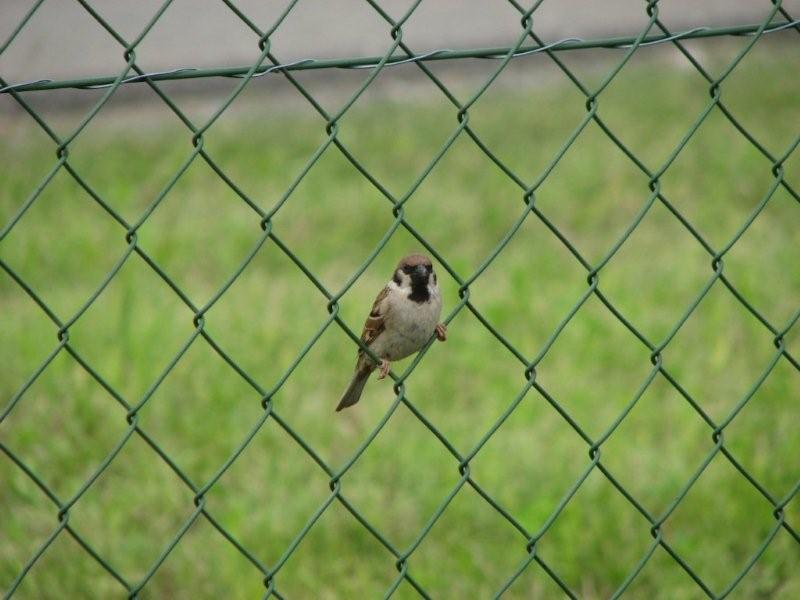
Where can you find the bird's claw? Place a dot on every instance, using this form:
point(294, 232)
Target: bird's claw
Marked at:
point(441, 332)
point(384, 369)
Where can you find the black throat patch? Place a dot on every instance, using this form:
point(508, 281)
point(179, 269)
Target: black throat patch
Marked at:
point(419, 292)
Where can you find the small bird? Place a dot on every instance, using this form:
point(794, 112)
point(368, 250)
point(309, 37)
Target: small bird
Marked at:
point(403, 318)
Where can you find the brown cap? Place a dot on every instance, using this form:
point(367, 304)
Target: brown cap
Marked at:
point(412, 260)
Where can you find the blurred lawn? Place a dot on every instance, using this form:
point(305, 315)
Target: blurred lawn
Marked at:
point(66, 423)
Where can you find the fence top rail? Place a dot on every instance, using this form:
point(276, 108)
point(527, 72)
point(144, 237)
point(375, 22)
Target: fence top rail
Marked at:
point(365, 62)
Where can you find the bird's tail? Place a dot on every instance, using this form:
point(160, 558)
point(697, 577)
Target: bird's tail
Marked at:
point(353, 392)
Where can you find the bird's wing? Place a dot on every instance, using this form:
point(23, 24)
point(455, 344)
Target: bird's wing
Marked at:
point(375, 323)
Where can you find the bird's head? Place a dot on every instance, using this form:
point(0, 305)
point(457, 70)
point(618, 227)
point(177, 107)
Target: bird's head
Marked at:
point(415, 272)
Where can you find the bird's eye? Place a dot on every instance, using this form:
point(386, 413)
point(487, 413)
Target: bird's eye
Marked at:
point(407, 270)
point(430, 268)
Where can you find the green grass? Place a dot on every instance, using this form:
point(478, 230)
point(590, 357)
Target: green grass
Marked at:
point(66, 423)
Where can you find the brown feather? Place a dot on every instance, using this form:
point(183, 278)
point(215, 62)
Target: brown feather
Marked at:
point(374, 324)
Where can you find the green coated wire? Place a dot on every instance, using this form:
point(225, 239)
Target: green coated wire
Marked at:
point(365, 62)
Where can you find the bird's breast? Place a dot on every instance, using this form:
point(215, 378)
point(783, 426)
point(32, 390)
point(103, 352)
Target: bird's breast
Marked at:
point(409, 326)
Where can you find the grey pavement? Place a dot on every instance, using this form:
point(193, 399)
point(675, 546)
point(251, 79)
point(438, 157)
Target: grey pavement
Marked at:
point(63, 41)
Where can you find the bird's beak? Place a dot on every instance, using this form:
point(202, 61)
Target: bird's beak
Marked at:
point(421, 272)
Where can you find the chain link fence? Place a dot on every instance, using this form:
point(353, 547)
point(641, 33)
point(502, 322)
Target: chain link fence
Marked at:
point(398, 52)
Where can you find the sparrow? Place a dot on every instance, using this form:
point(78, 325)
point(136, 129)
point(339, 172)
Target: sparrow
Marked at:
point(403, 318)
